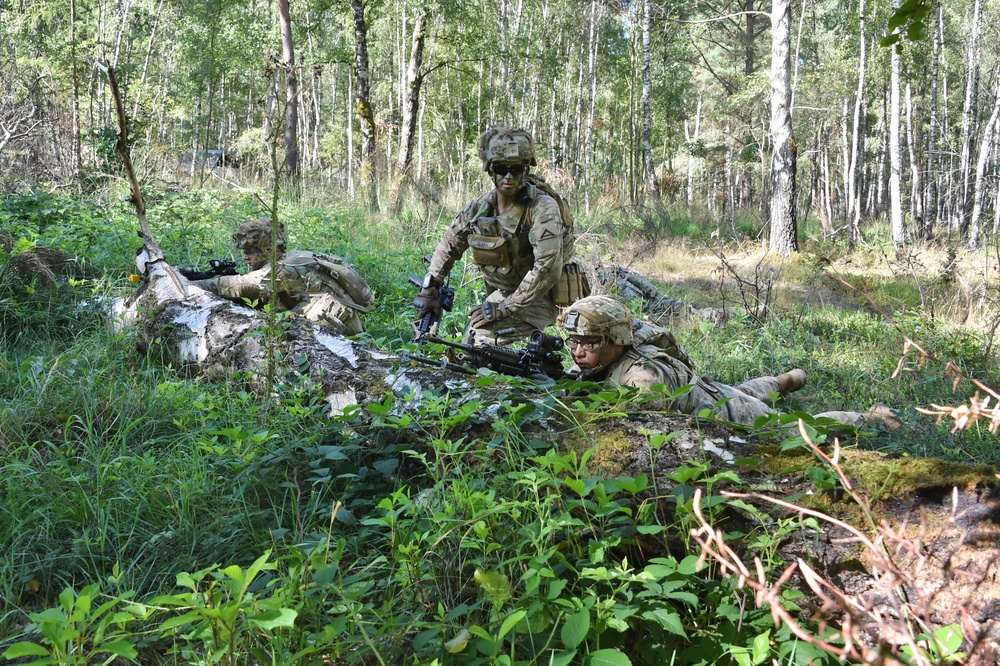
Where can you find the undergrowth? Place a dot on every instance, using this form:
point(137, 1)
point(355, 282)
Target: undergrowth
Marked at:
point(150, 515)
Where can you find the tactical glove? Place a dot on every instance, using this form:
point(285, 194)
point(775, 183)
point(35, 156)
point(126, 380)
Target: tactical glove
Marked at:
point(427, 300)
point(488, 313)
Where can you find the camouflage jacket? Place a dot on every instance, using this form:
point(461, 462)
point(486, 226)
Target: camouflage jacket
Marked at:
point(521, 252)
point(319, 286)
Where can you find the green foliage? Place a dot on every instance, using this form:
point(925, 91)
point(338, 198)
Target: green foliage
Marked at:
point(451, 526)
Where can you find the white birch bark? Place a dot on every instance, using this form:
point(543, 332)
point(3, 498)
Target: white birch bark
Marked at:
point(784, 232)
point(962, 209)
point(647, 112)
point(985, 148)
point(853, 200)
point(895, 159)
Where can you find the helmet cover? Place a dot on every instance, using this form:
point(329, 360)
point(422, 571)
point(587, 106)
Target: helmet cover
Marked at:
point(506, 145)
point(598, 316)
point(256, 235)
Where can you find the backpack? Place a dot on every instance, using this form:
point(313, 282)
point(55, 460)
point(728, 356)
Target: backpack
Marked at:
point(573, 283)
point(653, 341)
point(540, 183)
point(333, 271)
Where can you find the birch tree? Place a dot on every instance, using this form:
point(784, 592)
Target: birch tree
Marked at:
point(362, 103)
point(895, 159)
point(647, 113)
point(291, 92)
point(784, 230)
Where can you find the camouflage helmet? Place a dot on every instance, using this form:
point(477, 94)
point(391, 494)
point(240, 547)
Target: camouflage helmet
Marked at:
point(256, 235)
point(598, 316)
point(506, 145)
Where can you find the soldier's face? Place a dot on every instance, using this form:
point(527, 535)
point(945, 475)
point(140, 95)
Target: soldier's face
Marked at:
point(508, 178)
point(255, 258)
point(591, 356)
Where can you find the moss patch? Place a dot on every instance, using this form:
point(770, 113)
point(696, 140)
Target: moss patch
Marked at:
point(880, 478)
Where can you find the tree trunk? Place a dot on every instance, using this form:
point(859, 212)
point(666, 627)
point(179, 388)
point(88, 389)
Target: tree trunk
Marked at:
point(979, 193)
point(931, 204)
point(362, 104)
point(784, 230)
point(647, 112)
point(853, 200)
point(588, 146)
point(75, 141)
point(895, 159)
point(291, 93)
point(963, 208)
point(692, 140)
point(916, 182)
point(414, 78)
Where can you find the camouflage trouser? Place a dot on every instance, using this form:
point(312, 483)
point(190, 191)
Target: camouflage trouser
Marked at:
point(749, 401)
point(327, 310)
point(538, 315)
point(762, 388)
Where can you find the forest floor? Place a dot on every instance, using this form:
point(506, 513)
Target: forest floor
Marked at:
point(939, 538)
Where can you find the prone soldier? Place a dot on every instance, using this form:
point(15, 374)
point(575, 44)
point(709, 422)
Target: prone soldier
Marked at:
point(608, 345)
point(317, 286)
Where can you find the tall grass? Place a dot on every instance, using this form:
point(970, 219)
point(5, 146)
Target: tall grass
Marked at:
point(456, 520)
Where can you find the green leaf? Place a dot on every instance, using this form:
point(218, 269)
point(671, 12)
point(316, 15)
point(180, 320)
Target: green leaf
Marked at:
point(510, 622)
point(761, 647)
point(609, 658)
point(279, 617)
point(564, 658)
point(122, 648)
point(949, 638)
point(666, 619)
point(25, 649)
point(575, 629)
point(495, 585)
point(180, 620)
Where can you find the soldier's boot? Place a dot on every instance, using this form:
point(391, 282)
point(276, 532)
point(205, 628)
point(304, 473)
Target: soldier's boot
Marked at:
point(882, 413)
point(791, 381)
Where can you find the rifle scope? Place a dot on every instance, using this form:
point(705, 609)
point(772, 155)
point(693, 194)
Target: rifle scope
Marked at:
point(545, 342)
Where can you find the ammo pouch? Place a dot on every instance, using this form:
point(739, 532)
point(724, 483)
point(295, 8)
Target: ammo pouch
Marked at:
point(490, 251)
point(572, 285)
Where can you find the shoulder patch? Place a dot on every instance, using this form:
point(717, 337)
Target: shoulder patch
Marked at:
point(546, 234)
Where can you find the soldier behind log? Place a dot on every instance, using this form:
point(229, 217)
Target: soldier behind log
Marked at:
point(608, 345)
point(521, 236)
point(317, 286)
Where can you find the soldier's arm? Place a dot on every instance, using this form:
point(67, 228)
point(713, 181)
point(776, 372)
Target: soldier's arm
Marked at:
point(548, 238)
point(455, 241)
point(252, 286)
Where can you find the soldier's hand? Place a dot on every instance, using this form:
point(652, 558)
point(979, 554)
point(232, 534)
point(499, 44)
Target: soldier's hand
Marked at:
point(487, 313)
point(427, 302)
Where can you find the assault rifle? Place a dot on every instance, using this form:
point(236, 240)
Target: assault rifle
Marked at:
point(427, 325)
point(216, 268)
point(540, 358)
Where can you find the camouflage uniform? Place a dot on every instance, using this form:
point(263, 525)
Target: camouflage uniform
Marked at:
point(652, 357)
point(521, 252)
point(317, 286)
point(538, 245)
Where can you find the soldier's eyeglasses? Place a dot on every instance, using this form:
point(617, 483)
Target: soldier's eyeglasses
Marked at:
point(588, 347)
point(504, 169)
